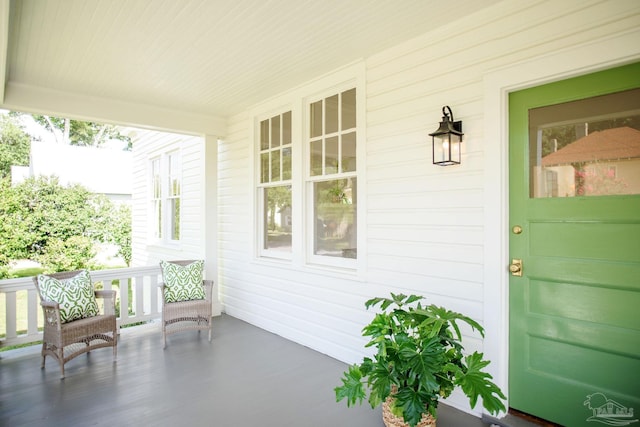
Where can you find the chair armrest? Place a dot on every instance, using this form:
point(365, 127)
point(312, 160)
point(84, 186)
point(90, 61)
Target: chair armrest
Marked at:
point(106, 294)
point(51, 311)
point(50, 304)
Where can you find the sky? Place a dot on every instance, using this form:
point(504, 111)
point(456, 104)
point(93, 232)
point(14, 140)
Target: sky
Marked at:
point(40, 132)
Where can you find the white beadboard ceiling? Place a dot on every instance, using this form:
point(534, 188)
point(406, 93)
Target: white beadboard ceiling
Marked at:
point(208, 57)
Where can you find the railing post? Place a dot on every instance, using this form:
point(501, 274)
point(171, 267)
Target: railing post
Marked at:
point(11, 315)
point(32, 312)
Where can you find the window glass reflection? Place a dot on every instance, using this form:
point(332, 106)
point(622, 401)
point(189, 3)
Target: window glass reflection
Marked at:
point(589, 147)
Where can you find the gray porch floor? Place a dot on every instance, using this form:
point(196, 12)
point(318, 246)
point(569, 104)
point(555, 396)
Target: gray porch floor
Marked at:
point(244, 377)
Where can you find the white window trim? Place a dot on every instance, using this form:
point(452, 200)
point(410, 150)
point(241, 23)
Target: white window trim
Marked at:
point(296, 101)
point(259, 186)
point(321, 260)
point(165, 240)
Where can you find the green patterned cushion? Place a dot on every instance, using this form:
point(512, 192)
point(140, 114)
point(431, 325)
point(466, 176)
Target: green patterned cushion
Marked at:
point(75, 295)
point(182, 283)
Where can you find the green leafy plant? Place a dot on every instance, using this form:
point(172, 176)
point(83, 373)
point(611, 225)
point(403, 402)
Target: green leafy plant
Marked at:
point(419, 359)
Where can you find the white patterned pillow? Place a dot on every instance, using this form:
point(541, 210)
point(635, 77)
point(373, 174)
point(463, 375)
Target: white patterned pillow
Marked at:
point(75, 295)
point(182, 283)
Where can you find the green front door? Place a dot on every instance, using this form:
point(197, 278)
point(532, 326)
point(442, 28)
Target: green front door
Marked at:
point(574, 158)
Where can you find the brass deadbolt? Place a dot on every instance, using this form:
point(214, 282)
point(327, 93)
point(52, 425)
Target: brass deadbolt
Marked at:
point(516, 267)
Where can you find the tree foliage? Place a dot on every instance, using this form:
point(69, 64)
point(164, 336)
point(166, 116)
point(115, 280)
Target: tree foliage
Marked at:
point(57, 225)
point(119, 231)
point(76, 132)
point(14, 145)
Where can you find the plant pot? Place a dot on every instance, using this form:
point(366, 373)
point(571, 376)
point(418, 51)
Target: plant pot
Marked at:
point(390, 420)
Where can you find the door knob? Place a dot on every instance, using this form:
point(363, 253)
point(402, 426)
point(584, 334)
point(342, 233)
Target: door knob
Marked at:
point(516, 267)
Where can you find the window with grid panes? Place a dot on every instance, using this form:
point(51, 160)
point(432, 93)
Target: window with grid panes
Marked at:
point(156, 199)
point(174, 192)
point(275, 184)
point(166, 192)
point(332, 174)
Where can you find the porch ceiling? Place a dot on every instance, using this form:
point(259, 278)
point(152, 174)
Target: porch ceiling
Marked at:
point(211, 58)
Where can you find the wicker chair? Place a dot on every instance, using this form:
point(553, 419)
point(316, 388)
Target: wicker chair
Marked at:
point(187, 315)
point(64, 341)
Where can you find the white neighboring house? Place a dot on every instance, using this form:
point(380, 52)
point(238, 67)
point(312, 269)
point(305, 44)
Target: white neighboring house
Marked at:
point(169, 199)
point(101, 170)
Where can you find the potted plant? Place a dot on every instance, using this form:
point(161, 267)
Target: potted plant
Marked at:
point(419, 359)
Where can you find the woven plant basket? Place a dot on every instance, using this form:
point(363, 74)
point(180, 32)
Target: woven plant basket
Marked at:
point(390, 420)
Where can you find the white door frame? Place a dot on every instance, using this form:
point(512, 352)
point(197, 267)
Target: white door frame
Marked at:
point(621, 49)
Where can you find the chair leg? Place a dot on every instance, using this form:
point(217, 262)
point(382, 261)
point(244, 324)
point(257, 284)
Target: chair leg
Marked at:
point(60, 355)
point(61, 369)
point(164, 337)
point(44, 355)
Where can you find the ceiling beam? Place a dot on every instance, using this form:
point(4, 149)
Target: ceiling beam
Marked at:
point(30, 99)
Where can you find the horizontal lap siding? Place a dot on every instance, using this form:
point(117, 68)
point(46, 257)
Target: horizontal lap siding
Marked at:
point(424, 224)
point(147, 144)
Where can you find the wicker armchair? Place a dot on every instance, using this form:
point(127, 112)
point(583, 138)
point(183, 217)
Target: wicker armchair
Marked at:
point(187, 315)
point(65, 341)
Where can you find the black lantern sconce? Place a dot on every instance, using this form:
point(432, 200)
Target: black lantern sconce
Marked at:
point(446, 140)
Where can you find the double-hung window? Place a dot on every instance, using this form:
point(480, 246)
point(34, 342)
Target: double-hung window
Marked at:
point(174, 191)
point(274, 188)
point(307, 177)
point(156, 200)
point(332, 175)
point(166, 191)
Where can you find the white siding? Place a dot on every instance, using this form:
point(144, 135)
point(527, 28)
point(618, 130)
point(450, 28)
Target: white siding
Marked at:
point(147, 144)
point(426, 226)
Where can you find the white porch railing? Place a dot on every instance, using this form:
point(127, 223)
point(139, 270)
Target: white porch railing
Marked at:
point(138, 300)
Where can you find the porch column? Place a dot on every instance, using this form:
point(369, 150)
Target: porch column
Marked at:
point(211, 216)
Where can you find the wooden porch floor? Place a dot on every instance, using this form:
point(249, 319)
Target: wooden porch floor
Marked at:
point(244, 377)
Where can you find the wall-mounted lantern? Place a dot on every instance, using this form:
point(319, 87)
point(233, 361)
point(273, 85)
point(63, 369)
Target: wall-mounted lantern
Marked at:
point(446, 140)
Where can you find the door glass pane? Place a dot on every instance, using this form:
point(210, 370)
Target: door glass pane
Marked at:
point(589, 147)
